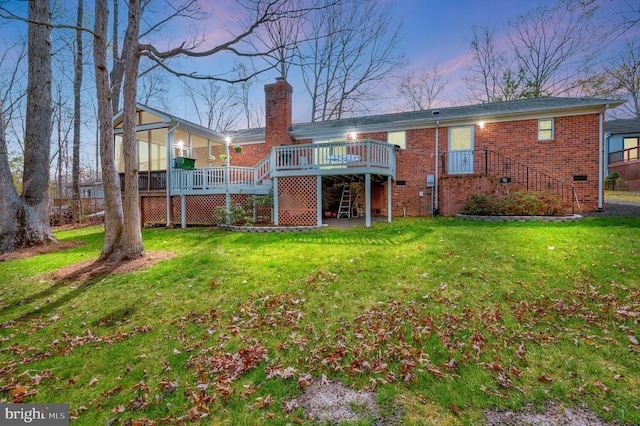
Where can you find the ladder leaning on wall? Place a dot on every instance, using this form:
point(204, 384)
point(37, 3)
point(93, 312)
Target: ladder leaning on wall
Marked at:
point(345, 202)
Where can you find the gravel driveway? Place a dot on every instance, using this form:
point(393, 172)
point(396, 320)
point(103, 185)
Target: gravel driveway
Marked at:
point(617, 208)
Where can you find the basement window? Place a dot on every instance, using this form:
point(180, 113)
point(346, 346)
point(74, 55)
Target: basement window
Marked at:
point(580, 178)
point(545, 129)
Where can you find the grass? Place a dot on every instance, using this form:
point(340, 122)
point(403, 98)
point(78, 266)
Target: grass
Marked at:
point(623, 196)
point(442, 318)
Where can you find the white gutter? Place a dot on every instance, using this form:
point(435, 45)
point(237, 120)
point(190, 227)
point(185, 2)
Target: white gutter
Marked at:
point(601, 158)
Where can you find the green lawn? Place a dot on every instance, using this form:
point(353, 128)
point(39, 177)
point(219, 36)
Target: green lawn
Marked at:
point(633, 196)
point(442, 317)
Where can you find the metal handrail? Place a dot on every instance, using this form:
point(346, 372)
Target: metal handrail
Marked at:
point(510, 171)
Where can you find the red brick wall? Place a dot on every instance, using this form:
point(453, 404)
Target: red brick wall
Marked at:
point(278, 113)
point(573, 151)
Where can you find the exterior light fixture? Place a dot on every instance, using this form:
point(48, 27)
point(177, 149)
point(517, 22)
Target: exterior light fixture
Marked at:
point(481, 124)
point(354, 136)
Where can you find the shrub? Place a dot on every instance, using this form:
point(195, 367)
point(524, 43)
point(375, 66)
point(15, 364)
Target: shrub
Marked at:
point(522, 203)
point(483, 205)
point(243, 214)
point(517, 203)
point(612, 180)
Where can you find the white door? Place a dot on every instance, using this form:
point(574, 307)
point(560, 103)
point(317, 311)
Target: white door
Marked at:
point(460, 156)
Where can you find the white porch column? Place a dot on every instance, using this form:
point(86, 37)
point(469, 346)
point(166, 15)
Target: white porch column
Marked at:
point(183, 211)
point(319, 199)
point(367, 199)
point(170, 140)
point(276, 207)
point(389, 181)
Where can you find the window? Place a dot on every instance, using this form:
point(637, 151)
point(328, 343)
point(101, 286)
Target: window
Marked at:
point(398, 138)
point(630, 144)
point(545, 129)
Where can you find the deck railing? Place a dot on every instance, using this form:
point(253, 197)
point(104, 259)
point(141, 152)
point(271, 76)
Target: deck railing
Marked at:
point(624, 155)
point(211, 178)
point(360, 154)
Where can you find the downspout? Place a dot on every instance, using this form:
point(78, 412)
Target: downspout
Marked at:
point(601, 158)
point(168, 180)
point(435, 189)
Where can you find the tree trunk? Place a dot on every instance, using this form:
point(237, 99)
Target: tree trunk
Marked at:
point(113, 217)
point(25, 219)
point(77, 87)
point(131, 244)
point(117, 69)
point(9, 200)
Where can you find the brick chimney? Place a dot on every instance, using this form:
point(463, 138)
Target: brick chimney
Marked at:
point(278, 113)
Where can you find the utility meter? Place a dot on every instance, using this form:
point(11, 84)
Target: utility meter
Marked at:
point(431, 181)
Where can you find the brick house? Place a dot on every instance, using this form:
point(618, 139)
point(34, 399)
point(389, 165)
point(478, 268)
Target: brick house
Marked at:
point(413, 163)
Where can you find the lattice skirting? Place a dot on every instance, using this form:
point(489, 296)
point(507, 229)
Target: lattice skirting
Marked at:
point(200, 209)
point(153, 210)
point(630, 174)
point(297, 201)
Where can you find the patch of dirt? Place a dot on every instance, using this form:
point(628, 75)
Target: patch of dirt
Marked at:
point(87, 269)
point(41, 249)
point(554, 414)
point(331, 401)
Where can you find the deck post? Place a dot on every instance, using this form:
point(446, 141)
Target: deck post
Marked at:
point(183, 212)
point(367, 199)
point(276, 209)
point(319, 199)
point(389, 181)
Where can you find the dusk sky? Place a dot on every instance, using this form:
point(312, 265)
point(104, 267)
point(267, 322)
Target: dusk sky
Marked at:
point(433, 32)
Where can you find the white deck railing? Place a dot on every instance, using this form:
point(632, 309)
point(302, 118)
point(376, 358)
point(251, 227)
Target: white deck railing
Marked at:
point(364, 156)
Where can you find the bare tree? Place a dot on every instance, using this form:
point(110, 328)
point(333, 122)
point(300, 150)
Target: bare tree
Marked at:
point(626, 77)
point(620, 79)
point(123, 236)
point(77, 105)
point(113, 214)
point(253, 113)
point(493, 76)
point(350, 49)
point(552, 45)
point(153, 88)
point(421, 90)
point(280, 38)
point(24, 219)
point(216, 107)
point(488, 66)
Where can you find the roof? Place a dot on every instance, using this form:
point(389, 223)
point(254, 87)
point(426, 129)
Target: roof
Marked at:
point(488, 112)
point(618, 127)
point(495, 111)
point(171, 120)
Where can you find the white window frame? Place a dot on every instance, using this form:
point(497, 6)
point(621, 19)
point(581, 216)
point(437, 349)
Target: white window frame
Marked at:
point(402, 145)
point(545, 130)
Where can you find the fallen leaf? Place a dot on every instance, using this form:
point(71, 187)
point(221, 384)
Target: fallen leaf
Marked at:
point(93, 381)
point(601, 386)
point(633, 339)
point(545, 378)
